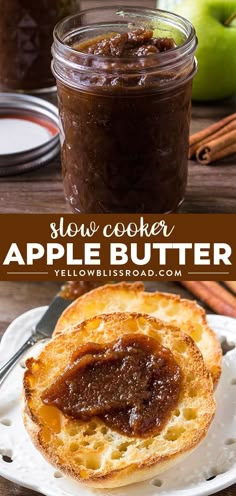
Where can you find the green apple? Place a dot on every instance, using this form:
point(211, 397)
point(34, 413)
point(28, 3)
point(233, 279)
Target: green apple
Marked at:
point(215, 23)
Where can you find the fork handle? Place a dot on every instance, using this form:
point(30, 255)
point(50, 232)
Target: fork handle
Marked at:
point(4, 371)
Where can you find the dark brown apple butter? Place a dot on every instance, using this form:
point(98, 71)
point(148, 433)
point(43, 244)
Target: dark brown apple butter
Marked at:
point(26, 28)
point(74, 289)
point(138, 43)
point(132, 384)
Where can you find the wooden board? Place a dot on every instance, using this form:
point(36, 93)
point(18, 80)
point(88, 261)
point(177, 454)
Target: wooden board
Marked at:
point(210, 189)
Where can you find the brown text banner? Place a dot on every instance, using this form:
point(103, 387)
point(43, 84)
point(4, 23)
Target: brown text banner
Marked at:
point(117, 247)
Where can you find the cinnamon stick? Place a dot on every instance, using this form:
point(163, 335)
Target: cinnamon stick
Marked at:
point(231, 285)
point(217, 148)
point(202, 135)
point(213, 295)
point(223, 153)
point(222, 131)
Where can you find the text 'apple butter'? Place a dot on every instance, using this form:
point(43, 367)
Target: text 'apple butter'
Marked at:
point(131, 384)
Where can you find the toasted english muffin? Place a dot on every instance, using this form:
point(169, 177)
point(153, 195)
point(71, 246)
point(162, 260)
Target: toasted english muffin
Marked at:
point(91, 451)
point(123, 297)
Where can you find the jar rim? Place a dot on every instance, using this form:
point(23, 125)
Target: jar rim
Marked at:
point(163, 58)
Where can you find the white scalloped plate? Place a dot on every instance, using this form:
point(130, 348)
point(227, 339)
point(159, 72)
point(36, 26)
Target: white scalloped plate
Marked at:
point(216, 456)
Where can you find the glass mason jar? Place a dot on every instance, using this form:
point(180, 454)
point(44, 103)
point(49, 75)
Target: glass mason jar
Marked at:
point(124, 121)
point(26, 28)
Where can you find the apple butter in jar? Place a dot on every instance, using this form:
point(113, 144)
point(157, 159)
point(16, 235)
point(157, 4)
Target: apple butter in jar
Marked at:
point(124, 88)
point(26, 28)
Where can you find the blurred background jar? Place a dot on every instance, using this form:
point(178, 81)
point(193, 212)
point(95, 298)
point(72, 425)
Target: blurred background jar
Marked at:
point(26, 28)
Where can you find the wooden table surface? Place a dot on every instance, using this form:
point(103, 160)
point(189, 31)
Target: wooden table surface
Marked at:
point(16, 298)
point(211, 189)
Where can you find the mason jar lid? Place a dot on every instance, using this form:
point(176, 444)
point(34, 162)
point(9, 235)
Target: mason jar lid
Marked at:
point(29, 133)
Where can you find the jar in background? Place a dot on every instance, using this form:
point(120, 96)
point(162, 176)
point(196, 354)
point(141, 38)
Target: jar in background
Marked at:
point(125, 120)
point(26, 28)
